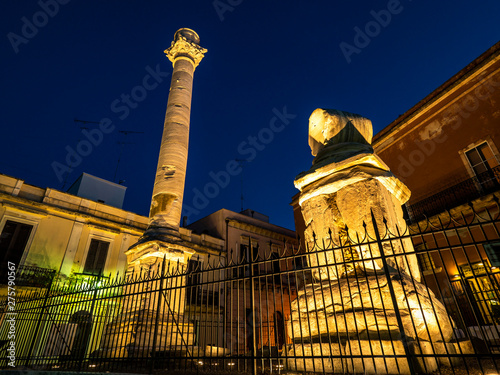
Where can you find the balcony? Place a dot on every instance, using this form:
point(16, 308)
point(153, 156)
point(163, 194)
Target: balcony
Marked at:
point(456, 195)
point(33, 276)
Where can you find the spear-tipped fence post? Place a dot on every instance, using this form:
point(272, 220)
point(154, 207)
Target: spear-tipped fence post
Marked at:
point(393, 297)
point(38, 323)
point(252, 304)
point(92, 306)
point(157, 318)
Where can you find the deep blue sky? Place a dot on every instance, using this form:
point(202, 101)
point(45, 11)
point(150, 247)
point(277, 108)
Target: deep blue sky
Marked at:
point(262, 56)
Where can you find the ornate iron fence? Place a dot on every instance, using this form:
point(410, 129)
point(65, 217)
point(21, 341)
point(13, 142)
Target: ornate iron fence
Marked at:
point(342, 306)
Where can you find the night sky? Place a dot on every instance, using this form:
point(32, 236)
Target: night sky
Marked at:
point(269, 65)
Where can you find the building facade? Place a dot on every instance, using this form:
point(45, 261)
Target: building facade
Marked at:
point(260, 282)
point(446, 150)
point(55, 236)
point(46, 232)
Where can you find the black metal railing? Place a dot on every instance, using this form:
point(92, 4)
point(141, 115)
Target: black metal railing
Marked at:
point(33, 276)
point(357, 304)
point(456, 195)
point(197, 296)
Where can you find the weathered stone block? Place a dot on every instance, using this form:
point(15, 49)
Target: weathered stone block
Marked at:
point(363, 306)
point(301, 358)
point(464, 347)
point(440, 353)
point(349, 198)
point(376, 365)
point(325, 124)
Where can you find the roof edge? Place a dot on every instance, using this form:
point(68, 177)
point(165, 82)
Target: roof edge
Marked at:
point(457, 78)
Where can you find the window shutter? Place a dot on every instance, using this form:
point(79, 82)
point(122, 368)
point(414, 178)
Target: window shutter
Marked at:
point(102, 254)
point(96, 257)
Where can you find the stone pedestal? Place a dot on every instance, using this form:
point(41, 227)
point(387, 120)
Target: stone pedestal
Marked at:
point(174, 333)
point(373, 356)
point(152, 300)
point(133, 335)
point(362, 307)
point(328, 358)
point(381, 362)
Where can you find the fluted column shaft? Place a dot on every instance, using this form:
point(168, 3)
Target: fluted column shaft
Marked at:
point(170, 177)
point(168, 191)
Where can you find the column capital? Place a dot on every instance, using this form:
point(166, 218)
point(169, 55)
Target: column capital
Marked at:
point(186, 45)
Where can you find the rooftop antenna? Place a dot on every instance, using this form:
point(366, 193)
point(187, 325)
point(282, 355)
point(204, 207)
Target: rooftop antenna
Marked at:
point(124, 132)
point(240, 162)
point(83, 122)
point(120, 156)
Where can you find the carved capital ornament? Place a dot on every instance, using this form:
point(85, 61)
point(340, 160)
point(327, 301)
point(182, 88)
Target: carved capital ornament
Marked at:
point(186, 45)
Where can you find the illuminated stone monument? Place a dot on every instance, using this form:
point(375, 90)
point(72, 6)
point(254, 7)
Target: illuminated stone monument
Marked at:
point(348, 309)
point(163, 239)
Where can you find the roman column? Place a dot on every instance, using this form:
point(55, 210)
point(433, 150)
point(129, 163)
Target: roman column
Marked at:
point(162, 238)
point(161, 248)
point(166, 205)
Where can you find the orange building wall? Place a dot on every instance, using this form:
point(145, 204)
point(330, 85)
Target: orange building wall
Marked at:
point(422, 147)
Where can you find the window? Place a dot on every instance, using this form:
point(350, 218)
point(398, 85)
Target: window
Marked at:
point(275, 263)
point(248, 253)
point(193, 280)
point(13, 241)
point(255, 257)
point(299, 262)
point(426, 262)
point(194, 275)
point(481, 158)
point(243, 258)
point(276, 267)
point(96, 257)
point(483, 286)
point(493, 251)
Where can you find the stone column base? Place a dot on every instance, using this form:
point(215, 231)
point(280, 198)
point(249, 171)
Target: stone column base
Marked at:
point(170, 337)
point(377, 365)
point(324, 361)
point(317, 357)
point(132, 335)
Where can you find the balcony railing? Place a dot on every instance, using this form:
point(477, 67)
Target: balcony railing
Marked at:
point(453, 196)
point(34, 276)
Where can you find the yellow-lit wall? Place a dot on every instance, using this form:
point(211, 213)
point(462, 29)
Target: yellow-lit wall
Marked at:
point(64, 225)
